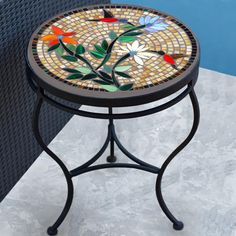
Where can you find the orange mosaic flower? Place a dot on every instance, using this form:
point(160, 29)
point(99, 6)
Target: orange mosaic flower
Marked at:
point(59, 34)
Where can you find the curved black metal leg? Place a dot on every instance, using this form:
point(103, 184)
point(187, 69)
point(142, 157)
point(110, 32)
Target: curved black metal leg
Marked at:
point(177, 225)
point(53, 229)
point(113, 139)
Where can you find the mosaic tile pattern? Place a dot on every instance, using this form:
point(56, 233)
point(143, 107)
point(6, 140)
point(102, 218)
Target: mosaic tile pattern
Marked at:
point(171, 38)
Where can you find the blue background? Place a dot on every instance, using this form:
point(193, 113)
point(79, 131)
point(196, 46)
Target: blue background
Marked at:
point(214, 23)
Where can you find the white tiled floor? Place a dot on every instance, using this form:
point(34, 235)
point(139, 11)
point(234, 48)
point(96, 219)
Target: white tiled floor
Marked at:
point(199, 185)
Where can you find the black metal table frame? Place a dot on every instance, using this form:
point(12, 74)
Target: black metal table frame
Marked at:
point(112, 139)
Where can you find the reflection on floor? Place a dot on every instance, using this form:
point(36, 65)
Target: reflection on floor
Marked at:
point(199, 185)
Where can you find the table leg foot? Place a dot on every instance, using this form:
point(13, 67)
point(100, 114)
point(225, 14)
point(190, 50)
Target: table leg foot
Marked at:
point(52, 231)
point(178, 225)
point(111, 159)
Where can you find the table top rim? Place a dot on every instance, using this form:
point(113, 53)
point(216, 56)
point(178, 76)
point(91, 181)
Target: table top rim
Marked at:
point(118, 98)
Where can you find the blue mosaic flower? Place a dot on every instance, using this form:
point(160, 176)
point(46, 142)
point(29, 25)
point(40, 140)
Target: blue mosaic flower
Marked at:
point(153, 24)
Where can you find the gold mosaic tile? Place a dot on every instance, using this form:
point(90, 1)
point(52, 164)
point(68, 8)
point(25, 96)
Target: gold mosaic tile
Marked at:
point(114, 48)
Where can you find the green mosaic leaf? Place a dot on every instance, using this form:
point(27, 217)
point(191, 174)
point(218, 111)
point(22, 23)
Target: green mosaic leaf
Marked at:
point(104, 44)
point(107, 68)
point(70, 58)
point(53, 47)
point(101, 82)
point(89, 76)
point(107, 58)
point(71, 47)
point(60, 51)
point(110, 88)
point(80, 49)
point(83, 70)
point(126, 87)
point(99, 49)
point(128, 26)
point(124, 39)
point(112, 35)
point(75, 76)
point(122, 74)
point(140, 27)
point(133, 33)
point(105, 75)
point(71, 70)
point(97, 54)
point(122, 68)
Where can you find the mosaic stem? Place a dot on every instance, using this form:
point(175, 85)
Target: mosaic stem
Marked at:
point(109, 49)
point(76, 55)
point(116, 82)
point(83, 60)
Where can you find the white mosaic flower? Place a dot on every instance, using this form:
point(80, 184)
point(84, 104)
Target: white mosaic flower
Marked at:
point(138, 52)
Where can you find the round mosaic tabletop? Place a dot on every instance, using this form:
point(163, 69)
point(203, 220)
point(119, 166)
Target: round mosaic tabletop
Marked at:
point(113, 55)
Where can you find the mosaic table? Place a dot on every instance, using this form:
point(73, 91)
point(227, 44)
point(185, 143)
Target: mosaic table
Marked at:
point(112, 56)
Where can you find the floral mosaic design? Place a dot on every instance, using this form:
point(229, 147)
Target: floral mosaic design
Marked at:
point(108, 64)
